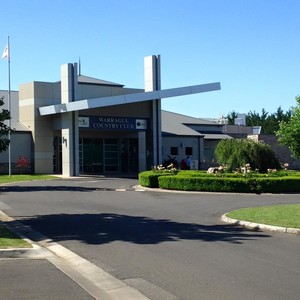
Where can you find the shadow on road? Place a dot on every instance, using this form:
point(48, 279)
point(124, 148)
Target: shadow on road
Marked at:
point(105, 228)
point(60, 188)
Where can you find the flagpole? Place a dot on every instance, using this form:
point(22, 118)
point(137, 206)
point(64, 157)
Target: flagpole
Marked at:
point(9, 109)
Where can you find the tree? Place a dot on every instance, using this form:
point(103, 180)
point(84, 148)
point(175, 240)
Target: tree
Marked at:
point(256, 119)
point(269, 123)
point(4, 129)
point(231, 117)
point(236, 153)
point(289, 131)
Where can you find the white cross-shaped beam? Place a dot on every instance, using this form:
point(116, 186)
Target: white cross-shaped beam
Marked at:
point(128, 98)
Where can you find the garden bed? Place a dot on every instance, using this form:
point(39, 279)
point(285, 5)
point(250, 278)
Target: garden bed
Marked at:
point(279, 182)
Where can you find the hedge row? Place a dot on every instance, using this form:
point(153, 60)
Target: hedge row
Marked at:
point(150, 178)
point(241, 185)
point(192, 173)
point(183, 182)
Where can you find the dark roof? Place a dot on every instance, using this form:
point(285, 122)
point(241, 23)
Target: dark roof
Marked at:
point(90, 80)
point(187, 119)
point(178, 124)
point(172, 125)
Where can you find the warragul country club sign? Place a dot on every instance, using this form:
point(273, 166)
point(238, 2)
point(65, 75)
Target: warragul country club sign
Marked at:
point(112, 123)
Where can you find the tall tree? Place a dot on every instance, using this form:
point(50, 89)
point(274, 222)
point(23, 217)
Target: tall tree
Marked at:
point(289, 131)
point(231, 117)
point(269, 123)
point(4, 129)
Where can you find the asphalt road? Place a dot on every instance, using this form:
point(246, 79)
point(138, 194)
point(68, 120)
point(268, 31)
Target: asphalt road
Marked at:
point(167, 245)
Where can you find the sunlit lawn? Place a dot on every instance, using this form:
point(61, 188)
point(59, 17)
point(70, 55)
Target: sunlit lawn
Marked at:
point(7, 238)
point(14, 178)
point(10, 240)
point(279, 215)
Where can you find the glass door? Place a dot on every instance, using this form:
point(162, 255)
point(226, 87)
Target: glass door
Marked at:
point(57, 155)
point(111, 155)
point(91, 156)
point(129, 155)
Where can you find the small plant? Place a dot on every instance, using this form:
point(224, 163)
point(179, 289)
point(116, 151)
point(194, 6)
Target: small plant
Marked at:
point(216, 170)
point(168, 169)
point(22, 163)
point(169, 161)
point(246, 169)
point(285, 166)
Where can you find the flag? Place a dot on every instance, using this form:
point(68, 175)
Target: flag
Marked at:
point(5, 53)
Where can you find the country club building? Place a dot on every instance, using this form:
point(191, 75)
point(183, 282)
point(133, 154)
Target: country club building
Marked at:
point(83, 125)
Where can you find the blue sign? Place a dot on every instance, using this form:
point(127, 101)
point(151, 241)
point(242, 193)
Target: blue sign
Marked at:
point(112, 123)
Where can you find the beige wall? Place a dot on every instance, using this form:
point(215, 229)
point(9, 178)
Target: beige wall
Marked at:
point(141, 110)
point(31, 96)
point(86, 91)
point(181, 143)
point(35, 94)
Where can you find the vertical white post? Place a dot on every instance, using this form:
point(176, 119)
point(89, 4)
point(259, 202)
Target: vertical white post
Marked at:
point(153, 83)
point(9, 108)
point(69, 122)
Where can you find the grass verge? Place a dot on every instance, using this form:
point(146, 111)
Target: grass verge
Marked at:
point(278, 215)
point(15, 178)
point(10, 240)
point(7, 238)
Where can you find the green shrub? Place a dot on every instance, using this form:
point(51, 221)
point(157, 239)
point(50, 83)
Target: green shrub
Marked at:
point(150, 178)
point(235, 153)
point(209, 184)
point(193, 173)
point(278, 182)
point(285, 184)
point(252, 174)
point(239, 185)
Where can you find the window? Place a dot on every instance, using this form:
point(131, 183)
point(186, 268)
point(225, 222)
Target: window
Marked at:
point(174, 151)
point(188, 150)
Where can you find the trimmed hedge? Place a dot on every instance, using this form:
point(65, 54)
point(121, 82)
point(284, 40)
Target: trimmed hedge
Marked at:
point(200, 181)
point(150, 178)
point(286, 184)
point(239, 185)
point(193, 173)
point(209, 184)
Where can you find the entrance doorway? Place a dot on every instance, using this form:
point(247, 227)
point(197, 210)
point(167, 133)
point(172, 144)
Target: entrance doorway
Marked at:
point(91, 156)
point(108, 156)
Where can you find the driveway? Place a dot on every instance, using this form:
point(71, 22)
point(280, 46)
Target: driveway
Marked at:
point(167, 245)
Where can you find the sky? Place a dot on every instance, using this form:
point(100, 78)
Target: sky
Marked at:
point(252, 47)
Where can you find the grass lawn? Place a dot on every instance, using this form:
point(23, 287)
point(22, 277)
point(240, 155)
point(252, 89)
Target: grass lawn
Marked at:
point(10, 240)
point(279, 215)
point(7, 238)
point(14, 178)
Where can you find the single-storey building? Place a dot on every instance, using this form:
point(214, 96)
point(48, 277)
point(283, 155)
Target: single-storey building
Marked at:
point(197, 138)
point(84, 125)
